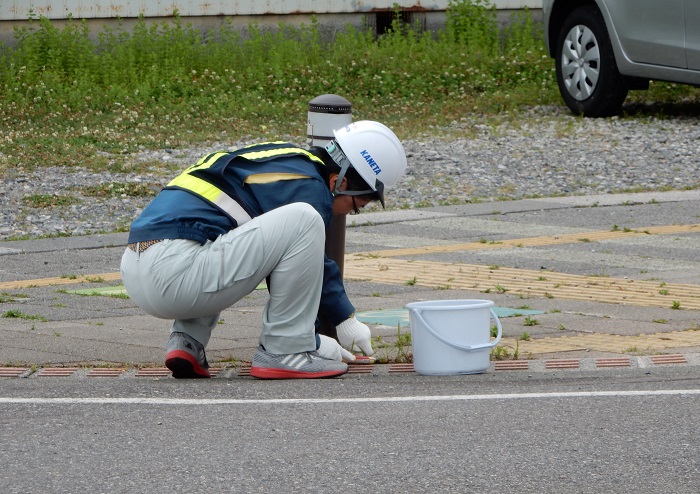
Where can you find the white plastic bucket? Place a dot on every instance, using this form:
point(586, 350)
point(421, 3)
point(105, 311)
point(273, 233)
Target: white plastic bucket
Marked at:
point(452, 336)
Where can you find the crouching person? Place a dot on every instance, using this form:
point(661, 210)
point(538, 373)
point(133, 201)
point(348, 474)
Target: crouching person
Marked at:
point(234, 219)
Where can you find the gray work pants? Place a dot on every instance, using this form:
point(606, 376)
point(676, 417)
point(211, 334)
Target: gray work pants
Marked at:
point(193, 283)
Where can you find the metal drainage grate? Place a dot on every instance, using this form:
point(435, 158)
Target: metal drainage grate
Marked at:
point(613, 362)
point(399, 368)
point(500, 365)
point(154, 372)
point(12, 371)
point(57, 371)
point(562, 364)
point(106, 372)
point(668, 359)
point(360, 368)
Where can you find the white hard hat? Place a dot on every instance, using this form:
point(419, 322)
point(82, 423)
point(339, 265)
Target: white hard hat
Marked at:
point(373, 150)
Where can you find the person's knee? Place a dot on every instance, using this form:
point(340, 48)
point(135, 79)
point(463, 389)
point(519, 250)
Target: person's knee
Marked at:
point(311, 229)
point(308, 215)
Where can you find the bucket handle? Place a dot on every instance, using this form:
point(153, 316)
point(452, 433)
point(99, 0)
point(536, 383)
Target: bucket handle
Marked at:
point(466, 348)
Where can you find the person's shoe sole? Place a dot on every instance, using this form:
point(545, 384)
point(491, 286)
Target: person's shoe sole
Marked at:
point(274, 373)
point(185, 366)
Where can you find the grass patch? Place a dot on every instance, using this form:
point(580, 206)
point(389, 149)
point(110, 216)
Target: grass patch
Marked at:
point(95, 100)
point(398, 351)
point(15, 314)
point(166, 85)
point(11, 297)
point(529, 321)
point(502, 352)
point(118, 189)
point(74, 100)
point(49, 200)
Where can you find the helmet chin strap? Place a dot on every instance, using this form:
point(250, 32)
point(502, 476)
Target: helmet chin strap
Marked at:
point(343, 162)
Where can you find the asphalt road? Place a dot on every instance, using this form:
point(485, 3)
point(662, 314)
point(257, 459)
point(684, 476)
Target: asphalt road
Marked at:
point(541, 429)
point(628, 430)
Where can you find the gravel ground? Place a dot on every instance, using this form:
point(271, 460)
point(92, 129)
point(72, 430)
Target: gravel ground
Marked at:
point(547, 152)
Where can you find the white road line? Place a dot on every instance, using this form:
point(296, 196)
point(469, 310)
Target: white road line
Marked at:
point(380, 399)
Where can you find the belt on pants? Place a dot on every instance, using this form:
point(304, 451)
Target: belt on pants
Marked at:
point(142, 246)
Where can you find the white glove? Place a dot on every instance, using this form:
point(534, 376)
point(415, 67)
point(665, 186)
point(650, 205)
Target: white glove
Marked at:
point(331, 350)
point(355, 336)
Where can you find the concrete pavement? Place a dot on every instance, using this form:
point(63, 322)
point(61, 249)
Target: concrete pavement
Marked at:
point(585, 282)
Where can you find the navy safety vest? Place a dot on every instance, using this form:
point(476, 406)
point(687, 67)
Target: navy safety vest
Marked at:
point(206, 179)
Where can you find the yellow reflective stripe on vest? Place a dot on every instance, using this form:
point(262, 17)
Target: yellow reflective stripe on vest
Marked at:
point(256, 155)
point(217, 196)
point(266, 178)
point(212, 194)
point(206, 162)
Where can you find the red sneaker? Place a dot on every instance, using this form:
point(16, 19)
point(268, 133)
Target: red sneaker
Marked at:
point(186, 358)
